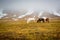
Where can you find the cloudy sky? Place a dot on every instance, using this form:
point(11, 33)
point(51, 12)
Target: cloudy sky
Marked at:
point(30, 4)
point(35, 5)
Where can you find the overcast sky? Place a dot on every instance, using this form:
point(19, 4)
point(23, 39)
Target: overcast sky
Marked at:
point(30, 4)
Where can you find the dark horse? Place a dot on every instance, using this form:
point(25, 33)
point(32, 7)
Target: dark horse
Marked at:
point(43, 20)
point(47, 19)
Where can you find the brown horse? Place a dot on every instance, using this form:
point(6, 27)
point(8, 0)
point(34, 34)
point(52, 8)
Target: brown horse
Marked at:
point(47, 19)
point(43, 20)
point(40, 20)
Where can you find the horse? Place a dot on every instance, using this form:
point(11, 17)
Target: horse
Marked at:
point(31, 19)
point(43, 20)
point(47, 19)
point(40, 20)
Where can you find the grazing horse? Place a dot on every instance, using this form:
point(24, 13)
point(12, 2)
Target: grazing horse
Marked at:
point(47, 19)
point(40, 19)
point(43, 20)
point(31, 19)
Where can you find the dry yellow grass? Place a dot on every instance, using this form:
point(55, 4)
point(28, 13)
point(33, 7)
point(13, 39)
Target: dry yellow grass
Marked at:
point(20, 30)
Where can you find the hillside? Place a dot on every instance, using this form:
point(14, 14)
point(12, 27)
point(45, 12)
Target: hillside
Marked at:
point(26, 14)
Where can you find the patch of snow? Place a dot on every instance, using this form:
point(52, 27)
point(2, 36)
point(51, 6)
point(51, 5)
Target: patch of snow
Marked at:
point(28, 13)
point(40, 14)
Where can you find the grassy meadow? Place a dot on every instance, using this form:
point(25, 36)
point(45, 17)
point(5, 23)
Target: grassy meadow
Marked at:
point(20, 30)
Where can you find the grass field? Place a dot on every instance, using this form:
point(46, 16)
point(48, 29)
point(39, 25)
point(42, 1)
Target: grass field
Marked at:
point(20, 30)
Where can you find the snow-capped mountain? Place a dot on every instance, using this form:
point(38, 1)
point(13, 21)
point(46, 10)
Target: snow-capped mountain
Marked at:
point(27, 14)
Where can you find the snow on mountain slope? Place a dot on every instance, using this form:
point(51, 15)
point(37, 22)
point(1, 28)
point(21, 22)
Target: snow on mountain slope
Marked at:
point(28, 13)
point(1, 14)
point(56, 13)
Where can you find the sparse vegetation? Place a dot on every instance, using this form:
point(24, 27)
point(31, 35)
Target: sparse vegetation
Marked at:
point(20, 30)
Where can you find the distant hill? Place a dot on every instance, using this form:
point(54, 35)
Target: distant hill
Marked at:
point(48, 14)
point(15, 14)
point(44, 14)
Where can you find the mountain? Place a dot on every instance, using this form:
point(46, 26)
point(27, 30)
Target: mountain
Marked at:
point(33, 14)
point(37, 15)
point(23, 14)
point(51, 15)
point(13, 13)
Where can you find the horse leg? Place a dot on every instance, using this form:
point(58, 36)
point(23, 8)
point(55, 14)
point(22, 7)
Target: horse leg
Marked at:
point(37, 21)
point(43, 21)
